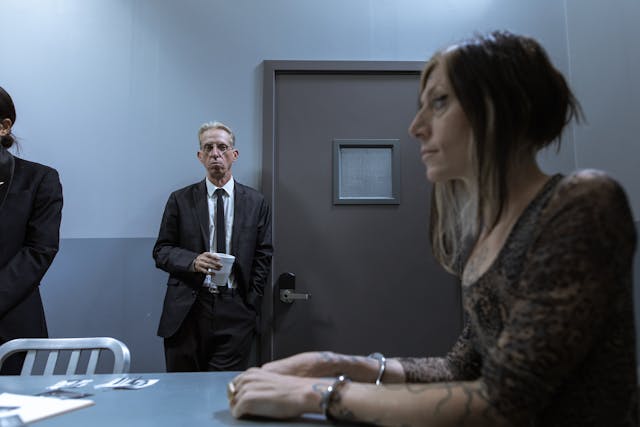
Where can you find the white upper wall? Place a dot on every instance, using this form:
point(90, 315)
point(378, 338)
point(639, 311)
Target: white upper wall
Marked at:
point(112, 92)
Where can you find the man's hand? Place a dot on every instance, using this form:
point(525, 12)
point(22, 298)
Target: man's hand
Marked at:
point(207, 263)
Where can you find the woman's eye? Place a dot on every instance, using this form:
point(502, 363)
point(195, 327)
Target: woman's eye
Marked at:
point(438, 102)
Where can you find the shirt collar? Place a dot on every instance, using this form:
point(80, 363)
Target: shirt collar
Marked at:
point(228, 187)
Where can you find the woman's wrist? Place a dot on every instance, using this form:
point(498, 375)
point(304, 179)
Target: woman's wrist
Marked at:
point(381, 367)
point(332, 395)
point(359, 368)
point(313, 394)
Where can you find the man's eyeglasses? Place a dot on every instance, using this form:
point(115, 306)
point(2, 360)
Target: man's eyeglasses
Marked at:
point(222, 148)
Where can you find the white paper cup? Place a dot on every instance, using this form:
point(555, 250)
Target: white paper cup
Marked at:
point(220, 277)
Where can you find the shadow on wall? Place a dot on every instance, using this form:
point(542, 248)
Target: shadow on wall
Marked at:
point(108, 287)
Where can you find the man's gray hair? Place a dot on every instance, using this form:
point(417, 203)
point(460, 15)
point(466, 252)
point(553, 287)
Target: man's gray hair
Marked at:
point(216, 125)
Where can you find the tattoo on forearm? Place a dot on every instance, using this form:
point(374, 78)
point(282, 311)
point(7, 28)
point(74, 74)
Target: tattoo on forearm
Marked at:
point(327, 356)
point(444, 401)
point(473, 393)
point(488, 412)
point(467, 406)
point(476, 392)
point(476, 398)
point(340, 411)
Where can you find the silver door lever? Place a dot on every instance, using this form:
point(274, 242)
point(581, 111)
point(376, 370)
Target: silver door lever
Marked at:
point(288, 296)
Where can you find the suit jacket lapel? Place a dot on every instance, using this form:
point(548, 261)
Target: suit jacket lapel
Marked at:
point(238, 211)
point(7, 165)
point(202, 212)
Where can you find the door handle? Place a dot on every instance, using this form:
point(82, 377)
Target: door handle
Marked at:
point(286, 295)
point(287, 286)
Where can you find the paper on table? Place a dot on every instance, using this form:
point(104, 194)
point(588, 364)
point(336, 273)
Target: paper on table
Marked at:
point(69, 384)
point(128, 383)
point(34, 408)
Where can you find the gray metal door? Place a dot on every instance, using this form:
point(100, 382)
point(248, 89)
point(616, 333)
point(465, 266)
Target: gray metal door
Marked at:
point(372, 281)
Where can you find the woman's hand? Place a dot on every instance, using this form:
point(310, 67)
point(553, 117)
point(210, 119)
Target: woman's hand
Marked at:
point(260, 392)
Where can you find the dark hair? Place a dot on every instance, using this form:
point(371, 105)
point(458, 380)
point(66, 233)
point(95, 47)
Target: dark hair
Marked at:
point(7, 111)
point(516, 102)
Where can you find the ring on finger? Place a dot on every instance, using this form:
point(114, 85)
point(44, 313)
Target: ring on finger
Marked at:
point(231, 390)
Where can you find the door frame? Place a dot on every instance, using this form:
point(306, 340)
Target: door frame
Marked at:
point(271, 69)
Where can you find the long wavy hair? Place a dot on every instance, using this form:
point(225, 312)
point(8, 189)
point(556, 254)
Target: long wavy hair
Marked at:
point(517, 103)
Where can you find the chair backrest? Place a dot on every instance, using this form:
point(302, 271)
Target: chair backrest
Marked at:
point(53, 346)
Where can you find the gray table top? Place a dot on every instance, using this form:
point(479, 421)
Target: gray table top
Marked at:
point(178, 399)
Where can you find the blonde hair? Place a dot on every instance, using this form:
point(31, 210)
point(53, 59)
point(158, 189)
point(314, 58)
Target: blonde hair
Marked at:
point(216, 125)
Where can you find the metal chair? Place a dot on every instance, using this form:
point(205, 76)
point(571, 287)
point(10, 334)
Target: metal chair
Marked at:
point(53, 346)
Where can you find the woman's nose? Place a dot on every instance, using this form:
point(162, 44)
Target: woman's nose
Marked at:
point(418, 127)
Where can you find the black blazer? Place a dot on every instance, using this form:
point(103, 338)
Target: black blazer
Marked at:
point(184, 234)
point(29, 238)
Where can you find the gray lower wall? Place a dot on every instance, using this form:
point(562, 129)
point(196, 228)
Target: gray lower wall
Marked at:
point(108, 287)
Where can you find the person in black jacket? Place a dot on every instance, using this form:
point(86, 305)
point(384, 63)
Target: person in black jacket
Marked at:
point(30, 215)
point(208, 328)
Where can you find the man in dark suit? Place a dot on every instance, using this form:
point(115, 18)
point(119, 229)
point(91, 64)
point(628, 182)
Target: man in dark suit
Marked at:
point(30, 214)
point(207, 328)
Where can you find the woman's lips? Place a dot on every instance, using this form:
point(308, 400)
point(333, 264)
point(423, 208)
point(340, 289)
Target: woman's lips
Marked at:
point(426, 153)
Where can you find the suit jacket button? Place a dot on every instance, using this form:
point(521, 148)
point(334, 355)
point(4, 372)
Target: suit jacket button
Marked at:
point(193, 293)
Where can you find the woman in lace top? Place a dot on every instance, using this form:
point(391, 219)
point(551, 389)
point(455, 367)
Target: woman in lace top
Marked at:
point(545, 264)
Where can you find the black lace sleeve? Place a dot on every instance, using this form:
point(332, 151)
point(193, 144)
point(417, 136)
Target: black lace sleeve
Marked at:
point(460, 364)
point(575, 282)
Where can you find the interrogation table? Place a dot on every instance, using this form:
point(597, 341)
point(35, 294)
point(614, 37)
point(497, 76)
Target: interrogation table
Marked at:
point(177, 399)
